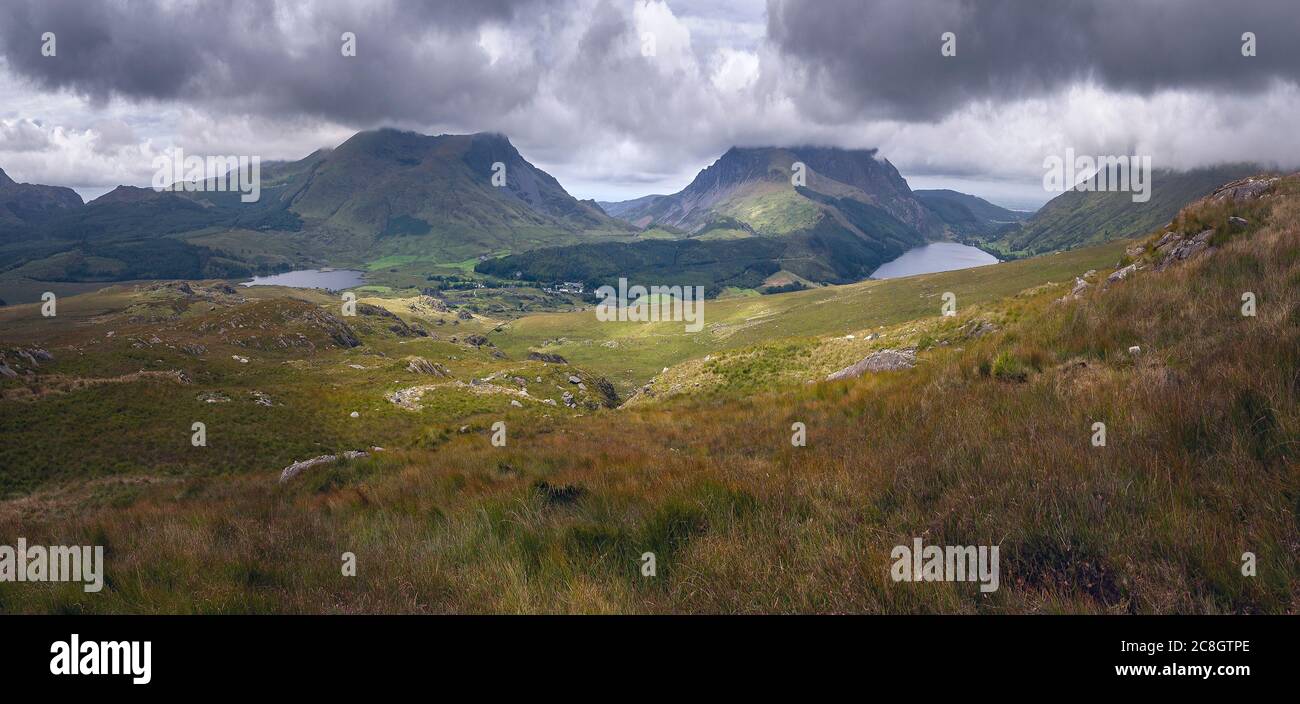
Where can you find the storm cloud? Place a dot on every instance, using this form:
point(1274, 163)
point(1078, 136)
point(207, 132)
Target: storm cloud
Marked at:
point(882, 57)
point(415, 60)
point(576, 87)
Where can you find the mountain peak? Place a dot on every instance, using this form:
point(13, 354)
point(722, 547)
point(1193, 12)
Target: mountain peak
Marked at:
point(756, 185)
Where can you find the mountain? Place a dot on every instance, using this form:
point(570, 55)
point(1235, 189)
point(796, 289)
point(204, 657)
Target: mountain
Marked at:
point(1080, 218)
point(388, 184)
point(621, 209)
point(966, 214)
point(24, 204)
point(753, 186)
point(380, 193)
point(852, 213)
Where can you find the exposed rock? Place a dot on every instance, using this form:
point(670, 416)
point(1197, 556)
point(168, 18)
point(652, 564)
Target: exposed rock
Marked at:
point(1121, 274)
point(429, 299)
point(1238, 222)
point(516, 403)
point(354, 414)
point(1166, 240)
point(420, 365)
point(373, 310)
point(879, 361)
point(1243, 189)
point(261, 398)
point(1135, 350)
point(297, 468)
point(575, 379)
point(548, 358)
point(1081, 287)
point(463, 314)
point(569, 400)
point(339, 331)
point(194, 349)
point(213, 397)
point(1185, 249)
point(477, 340)
point(608, 396)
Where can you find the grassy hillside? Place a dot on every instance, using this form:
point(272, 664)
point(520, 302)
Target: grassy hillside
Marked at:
point(985, 441)
point(1078, 218)
point(631, 353)
point(966, 214)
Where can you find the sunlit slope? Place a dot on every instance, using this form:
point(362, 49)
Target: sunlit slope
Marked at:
point(631, 352)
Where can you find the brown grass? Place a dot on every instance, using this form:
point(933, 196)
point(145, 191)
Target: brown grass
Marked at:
point(1200, 466)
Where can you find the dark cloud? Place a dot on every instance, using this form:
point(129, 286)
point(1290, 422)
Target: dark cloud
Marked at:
point(568, 82)
point(417, 60)
point(882, 57)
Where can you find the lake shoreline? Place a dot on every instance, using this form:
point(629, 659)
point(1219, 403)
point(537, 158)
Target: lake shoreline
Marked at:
point(933, 258)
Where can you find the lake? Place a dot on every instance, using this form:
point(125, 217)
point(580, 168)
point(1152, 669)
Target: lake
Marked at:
point(937, 256)
point(329, 279)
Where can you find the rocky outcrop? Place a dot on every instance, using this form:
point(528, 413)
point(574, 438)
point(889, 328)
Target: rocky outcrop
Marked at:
point(605, 390)
point(1121, 274)
point(879, 361)
point(297, 468)
point(420, 365)
point(1081, 287)
point(395, 324)
point(27, 360)
point(546, 357)
point(1174, 247)
point(1243, 190)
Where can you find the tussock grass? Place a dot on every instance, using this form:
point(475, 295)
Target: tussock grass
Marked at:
point(988, 444)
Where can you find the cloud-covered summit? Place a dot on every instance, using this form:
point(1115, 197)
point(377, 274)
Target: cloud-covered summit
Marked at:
point(623, 97)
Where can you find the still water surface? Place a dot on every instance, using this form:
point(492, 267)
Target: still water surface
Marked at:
point(332, 279)
point(937, 256)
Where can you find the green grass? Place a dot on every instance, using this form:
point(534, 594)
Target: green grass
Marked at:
point(643, 349)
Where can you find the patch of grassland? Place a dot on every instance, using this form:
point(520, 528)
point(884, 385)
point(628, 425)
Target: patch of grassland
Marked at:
point(630, 353)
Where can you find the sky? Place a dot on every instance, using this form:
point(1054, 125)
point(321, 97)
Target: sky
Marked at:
point(623, 98)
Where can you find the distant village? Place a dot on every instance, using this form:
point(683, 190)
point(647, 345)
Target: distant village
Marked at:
point(574, 287)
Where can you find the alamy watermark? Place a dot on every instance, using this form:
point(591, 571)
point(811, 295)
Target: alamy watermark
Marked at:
point(653, 304)
point(948, 563)
point(93, 657)
point(1099, 173)
point(53, 563)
